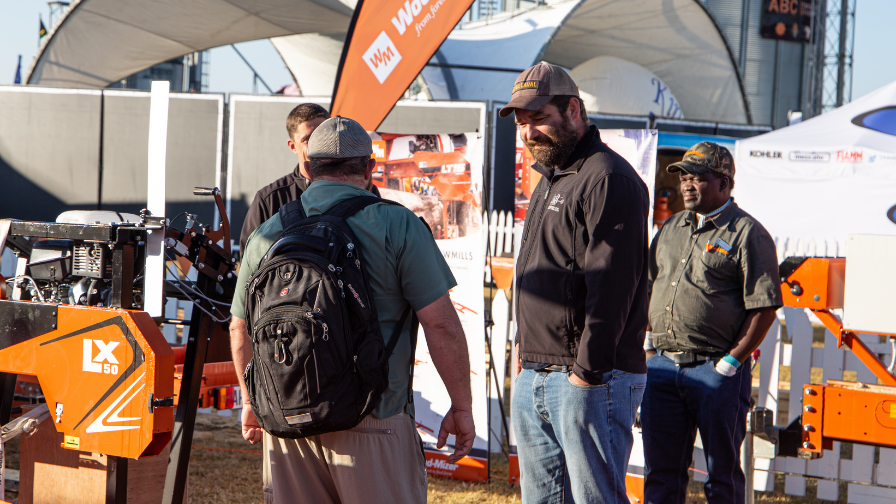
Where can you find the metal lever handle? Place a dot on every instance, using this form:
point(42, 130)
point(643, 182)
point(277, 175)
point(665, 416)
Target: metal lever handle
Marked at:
point(205, 191)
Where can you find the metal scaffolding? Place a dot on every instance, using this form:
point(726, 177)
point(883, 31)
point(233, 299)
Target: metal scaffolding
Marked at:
point(829, 62)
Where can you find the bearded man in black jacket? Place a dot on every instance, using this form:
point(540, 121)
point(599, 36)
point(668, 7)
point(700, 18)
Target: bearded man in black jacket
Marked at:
point(581, 300)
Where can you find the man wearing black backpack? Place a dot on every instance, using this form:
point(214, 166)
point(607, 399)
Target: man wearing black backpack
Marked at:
point(381, 459)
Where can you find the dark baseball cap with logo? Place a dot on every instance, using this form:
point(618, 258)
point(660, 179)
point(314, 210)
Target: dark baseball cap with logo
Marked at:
point(537, 85)
point(704, 158)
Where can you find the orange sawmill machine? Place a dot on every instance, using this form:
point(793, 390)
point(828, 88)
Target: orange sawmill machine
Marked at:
point(117, 403)
point(860, 287)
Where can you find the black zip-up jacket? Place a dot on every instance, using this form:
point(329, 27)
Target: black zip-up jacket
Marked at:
point(271, 197)
point(582, 268)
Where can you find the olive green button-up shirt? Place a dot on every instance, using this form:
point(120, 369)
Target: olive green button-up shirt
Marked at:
point(703, 281)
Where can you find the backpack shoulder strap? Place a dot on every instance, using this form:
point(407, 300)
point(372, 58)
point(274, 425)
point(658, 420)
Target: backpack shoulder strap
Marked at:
point(291, 213)
point(347, 208)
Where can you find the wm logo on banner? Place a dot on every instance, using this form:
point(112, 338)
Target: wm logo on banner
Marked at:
point(382, 57)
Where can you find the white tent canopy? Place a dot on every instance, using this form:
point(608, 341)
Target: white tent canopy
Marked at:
point(677, 40)
point(99, 42)
point(824, 178)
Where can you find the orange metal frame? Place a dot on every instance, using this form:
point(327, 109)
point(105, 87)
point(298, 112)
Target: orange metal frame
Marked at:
point(837, 410)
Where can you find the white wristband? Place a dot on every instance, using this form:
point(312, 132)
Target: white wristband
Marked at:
point(725, 368)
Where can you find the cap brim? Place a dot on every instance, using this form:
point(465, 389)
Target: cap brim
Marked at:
point(692, 169)
point(525, 102)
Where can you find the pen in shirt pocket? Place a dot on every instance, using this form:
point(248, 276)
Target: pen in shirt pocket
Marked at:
point(719, 245)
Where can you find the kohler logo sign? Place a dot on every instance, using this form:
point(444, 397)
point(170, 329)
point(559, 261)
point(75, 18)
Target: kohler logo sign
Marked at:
point(765, 154)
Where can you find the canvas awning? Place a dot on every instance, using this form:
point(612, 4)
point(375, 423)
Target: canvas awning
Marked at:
point(677, 40)
point(99, 42)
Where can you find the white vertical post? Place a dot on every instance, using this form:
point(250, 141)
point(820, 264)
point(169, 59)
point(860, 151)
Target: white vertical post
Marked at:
point(800, 330)
point(828, 466)
point(155, 197)
point(769, 367)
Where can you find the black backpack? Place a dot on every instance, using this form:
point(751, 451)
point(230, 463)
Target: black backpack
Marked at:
point(320, 364)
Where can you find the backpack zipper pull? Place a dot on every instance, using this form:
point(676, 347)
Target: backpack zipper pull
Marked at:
point(356, 363)
point(279, 354)
point(341, 290)
point(326, 331)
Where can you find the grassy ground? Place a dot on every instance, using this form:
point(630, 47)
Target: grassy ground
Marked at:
point(235, 477)
point(224, 469)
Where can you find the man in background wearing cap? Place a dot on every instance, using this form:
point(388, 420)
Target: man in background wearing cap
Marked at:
point(300, 124)
point(381, 460)
point(581, 300)
point(714, 291)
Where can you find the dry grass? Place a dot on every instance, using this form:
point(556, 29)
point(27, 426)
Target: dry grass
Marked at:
point(235, 477)
point(224, 477)
point(218, 476)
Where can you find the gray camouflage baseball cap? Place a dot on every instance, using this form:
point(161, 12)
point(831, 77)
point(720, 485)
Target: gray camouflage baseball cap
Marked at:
point(537, 85)
point(339, 137)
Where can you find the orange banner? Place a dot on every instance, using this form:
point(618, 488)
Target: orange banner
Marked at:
point(387, 45)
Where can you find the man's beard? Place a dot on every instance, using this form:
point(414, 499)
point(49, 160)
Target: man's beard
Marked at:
point(554, 146)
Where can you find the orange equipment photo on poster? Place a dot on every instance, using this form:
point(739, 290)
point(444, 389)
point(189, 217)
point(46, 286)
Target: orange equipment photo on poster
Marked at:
point(387, 45)
point(435, 176)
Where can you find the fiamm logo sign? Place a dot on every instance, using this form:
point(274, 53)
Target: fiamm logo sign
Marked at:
point(382, 57)
point(849, 156)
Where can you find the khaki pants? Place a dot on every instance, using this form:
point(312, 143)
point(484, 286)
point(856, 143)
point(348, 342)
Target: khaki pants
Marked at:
point(379, 461)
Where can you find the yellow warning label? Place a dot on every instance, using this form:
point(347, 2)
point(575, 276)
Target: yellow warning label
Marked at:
point(72, 442)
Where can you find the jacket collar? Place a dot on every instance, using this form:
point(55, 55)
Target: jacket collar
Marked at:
point(577, 158)
point(299, 179)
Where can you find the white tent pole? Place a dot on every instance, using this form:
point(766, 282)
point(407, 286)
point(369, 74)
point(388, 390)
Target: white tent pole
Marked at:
point(155, 198)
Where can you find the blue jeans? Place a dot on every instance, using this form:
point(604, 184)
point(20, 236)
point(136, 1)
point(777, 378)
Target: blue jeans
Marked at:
point(680, 399)
point(574, 442)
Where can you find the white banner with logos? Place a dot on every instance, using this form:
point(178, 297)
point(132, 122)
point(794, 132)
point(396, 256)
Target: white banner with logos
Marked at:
point(826, 177)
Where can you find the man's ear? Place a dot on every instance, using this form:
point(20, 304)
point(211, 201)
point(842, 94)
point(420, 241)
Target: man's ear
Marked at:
point(724, 183)
point(293, 147)
point(573, 110)
point(308, 170)
point(371, 164)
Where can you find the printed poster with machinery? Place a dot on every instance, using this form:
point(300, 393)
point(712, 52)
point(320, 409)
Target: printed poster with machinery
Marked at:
point(439, 178)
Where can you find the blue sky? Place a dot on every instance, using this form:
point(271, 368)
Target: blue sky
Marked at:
point(874, 66)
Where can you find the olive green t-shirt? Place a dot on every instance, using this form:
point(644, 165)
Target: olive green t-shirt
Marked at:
point(703, 281)
point(403, 264)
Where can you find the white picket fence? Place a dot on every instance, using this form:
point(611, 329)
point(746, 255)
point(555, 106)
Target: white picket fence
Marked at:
point(801, 356)
point(497, 235)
